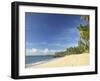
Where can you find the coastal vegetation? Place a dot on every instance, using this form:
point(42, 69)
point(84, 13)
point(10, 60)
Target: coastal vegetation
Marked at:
point(83, 42)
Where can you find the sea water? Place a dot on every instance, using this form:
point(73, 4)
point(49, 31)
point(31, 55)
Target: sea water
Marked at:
point(39, 58)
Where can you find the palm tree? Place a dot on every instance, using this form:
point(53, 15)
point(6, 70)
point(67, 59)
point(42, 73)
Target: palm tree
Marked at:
point(84, 35)
point(85, 17)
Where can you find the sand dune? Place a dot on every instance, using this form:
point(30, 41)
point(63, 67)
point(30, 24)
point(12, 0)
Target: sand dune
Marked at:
point(68, 60)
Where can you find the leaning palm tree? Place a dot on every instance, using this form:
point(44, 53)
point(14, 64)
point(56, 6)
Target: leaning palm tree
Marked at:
point(84, 35)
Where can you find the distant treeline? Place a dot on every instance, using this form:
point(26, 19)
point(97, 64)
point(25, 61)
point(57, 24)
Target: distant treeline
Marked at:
point(83, 43)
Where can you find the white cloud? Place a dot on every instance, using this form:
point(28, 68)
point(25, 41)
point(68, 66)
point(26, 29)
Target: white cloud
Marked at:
point(31, 51)
point(46, 50)
point(34, 50)
point(50, 52)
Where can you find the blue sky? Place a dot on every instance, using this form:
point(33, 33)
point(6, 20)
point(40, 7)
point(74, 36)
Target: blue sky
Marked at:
point(45, 31)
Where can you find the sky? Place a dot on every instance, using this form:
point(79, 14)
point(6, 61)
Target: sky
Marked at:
point(46, 33)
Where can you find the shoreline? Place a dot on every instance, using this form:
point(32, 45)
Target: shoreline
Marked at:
point(68, 60)
point(41, 62)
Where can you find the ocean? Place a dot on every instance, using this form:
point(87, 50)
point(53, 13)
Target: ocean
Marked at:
point(39, 58)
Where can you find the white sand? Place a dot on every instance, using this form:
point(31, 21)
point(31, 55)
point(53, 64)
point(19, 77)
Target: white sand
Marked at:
point(68, 60)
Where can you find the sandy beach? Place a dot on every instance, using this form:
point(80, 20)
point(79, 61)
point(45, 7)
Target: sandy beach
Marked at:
point(68, 60)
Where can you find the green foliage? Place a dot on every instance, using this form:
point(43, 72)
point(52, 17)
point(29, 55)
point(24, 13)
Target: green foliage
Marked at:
point(74, 50)
point(85, 17)
point(84, 31)
point(60, 54)
point(84, 37)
